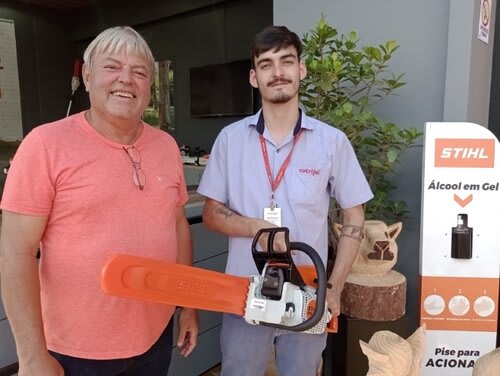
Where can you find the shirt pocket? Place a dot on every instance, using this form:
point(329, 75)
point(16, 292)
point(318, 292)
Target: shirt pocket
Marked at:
point(309, 182)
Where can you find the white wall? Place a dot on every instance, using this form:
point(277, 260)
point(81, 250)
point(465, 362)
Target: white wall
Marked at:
point(481, 68)
point(436, 39)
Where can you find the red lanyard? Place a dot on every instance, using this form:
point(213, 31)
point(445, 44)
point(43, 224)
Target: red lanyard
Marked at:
point(276, 182)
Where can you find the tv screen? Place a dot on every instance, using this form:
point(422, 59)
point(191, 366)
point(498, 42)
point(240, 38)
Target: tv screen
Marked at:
point(221, 90)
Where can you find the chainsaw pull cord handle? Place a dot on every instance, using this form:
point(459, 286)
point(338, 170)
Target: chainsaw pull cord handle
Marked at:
point(261, 258)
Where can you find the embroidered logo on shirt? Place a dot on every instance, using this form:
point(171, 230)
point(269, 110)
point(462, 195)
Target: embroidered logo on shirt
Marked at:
point(309, 171)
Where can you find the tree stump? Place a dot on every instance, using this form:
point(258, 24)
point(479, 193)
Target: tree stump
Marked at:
point(374, 298)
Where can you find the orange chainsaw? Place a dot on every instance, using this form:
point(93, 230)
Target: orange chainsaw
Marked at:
point(282, 295)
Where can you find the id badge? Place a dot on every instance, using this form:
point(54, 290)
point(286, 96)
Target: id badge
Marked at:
point(273, 215)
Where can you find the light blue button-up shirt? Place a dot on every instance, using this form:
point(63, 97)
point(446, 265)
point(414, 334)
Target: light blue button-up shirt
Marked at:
point(322, 165)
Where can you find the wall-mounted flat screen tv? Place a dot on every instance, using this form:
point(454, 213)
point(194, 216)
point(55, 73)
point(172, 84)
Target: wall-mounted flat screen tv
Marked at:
point(221, 90)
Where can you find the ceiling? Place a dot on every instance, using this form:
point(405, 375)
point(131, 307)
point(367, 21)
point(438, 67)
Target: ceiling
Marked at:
point(60, 4)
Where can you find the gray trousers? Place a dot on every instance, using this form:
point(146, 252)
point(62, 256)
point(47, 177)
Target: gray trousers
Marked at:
point(246, 349)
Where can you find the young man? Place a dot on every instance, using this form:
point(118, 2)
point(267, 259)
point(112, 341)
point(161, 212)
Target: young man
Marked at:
point(84, 188)
point(281, 167)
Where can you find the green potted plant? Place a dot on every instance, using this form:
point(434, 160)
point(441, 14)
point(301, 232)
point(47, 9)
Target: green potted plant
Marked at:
point(343, 83)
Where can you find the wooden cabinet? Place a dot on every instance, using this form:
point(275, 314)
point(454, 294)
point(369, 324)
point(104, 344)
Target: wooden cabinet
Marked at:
point(209, 252)
point(207, 353)
point(8, 354)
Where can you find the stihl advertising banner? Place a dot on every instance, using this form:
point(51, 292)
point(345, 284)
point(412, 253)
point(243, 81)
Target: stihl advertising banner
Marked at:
point(459, 247)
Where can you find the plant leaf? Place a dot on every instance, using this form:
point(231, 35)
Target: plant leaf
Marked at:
point(392, 155)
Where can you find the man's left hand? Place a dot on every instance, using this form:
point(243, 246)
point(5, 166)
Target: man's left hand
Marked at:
point(333, 300)
point(188, 331)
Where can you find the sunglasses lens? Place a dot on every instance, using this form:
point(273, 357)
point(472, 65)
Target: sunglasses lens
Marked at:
point(139, 178)
point(134, 155)
point(138, 174)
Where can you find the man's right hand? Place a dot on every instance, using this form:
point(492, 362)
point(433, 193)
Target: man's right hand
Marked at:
point(45, 365)
point(218, 217)
point(279, 244)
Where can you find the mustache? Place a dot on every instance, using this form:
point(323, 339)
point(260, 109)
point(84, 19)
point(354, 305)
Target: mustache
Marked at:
point(279, 81)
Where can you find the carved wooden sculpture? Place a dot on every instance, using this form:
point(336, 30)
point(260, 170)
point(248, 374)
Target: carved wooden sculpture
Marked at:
point(488, 364)
point(373, 291)
point(390, 355)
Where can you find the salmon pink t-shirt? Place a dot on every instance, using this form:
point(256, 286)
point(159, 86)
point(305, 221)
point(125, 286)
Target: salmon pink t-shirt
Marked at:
point(84, 183)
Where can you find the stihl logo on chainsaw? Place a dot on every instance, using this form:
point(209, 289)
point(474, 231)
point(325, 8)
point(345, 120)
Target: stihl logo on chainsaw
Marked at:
point(478, 153)
point(192, 287)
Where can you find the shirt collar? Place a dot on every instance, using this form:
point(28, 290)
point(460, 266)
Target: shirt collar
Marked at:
point(257, 121)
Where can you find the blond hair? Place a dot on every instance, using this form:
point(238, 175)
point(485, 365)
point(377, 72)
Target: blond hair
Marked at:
point(119, 39)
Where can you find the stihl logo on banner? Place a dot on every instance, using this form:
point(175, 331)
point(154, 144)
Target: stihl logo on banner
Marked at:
point(463, 152)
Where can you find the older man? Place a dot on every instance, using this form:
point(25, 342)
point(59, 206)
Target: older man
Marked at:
point(83, 188)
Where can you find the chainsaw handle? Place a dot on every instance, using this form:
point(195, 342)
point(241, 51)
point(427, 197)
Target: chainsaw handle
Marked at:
point(320, 291)
point(308, 273)
point(262, 257)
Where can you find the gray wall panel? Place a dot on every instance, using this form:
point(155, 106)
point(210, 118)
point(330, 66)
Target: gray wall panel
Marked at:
point(44, 53)
point(216, 32)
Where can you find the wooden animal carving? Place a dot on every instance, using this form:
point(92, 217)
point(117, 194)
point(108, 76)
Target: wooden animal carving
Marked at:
point(373, 291)
point(391, 355)
point(378, 251)
point(488, 364)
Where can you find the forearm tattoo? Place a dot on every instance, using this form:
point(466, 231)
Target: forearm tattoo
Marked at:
point(353, 231)
point(225, 211)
